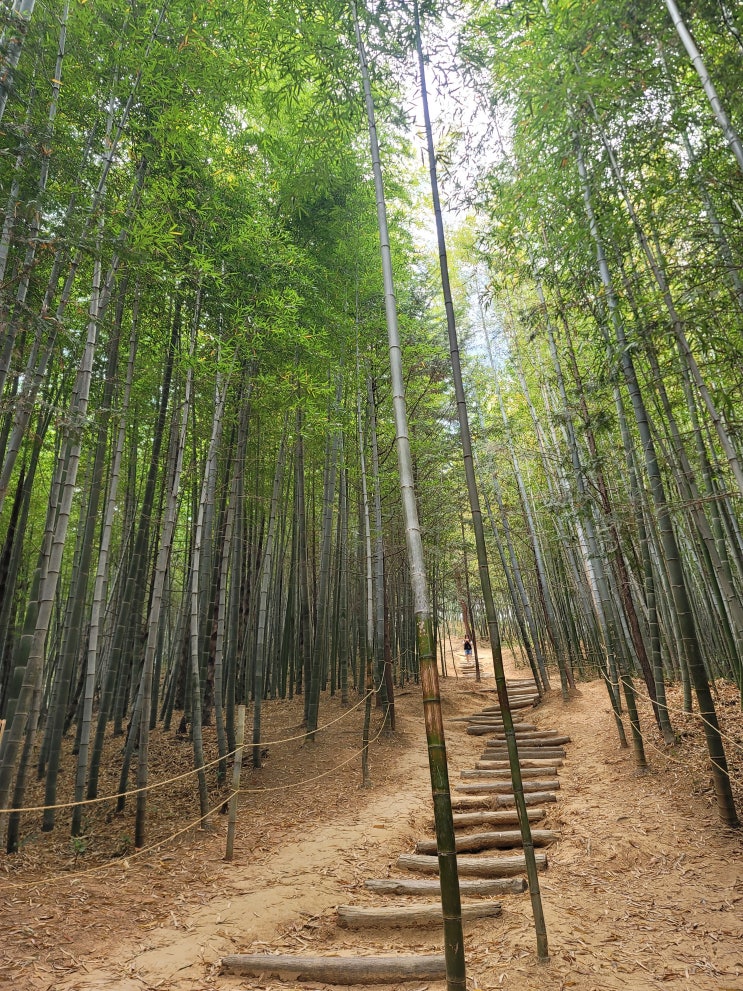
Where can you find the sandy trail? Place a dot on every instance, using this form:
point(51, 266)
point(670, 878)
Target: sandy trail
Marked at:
point(644, 888)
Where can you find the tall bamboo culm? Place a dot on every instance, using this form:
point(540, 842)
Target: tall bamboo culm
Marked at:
point(450, 898)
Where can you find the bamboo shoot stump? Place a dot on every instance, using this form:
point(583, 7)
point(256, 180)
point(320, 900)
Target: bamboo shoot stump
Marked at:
point(508, 817)
point(338, 970)
point(505, 786)
point(430, 886)
point(358, 917)
point(472, 866)
point(502, 840)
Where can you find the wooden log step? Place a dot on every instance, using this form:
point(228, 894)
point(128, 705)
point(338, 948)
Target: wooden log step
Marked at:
point(505, 773)
point(338, 970)
point(492, 752)
point(480, 729)
point(530, 798)
point(501, 840)
point(534, 739)
point(506, 817)
point(430, 886)
point(524, 729)
point(513, 694)
point(519, 703)
point(505, 786)
point(490, 800)
point(497, 724)
point(472, 866)
point(428, 913)
point(484, 717)
point(533, 763)
point(516, 694)
point(519, 719)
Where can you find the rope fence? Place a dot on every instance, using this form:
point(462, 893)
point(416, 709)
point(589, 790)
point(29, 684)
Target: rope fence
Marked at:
point(694, 715)
point(137, 854)
point(186, 774)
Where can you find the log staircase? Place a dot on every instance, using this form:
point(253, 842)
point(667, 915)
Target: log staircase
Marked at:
point(482, 802)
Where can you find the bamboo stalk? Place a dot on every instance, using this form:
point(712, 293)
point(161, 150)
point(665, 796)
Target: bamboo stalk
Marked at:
point(236, 769)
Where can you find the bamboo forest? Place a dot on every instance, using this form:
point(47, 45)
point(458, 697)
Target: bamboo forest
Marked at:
point(371, 494)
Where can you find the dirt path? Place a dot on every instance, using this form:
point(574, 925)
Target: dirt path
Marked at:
point(644, 890)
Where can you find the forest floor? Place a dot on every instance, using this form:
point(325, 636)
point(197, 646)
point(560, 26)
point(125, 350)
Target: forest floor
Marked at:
point(644, 888)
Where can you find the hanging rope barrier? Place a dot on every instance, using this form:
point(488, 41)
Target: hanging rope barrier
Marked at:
point(185, 774)
point(694, 715)
point(115, 863)
point(8, 885)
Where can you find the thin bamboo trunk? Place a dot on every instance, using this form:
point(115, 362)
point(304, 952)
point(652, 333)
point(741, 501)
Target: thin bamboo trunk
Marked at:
point(726, 805)
point(474, 501)
point(447, 858)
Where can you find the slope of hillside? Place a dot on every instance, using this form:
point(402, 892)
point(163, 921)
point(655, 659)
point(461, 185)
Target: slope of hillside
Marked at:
point(644, 889)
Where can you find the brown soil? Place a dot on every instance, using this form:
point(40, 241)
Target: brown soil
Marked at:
point(644, 889)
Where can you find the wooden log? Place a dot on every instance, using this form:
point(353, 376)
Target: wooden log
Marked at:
point(505, 786)
point(494, 708)
point(472, 866)
point(520, 703)
point(521, 729)
point(487, 802)
point(362, 917)
point(534, 739)
point(339, 970)
point(530, 763)
point(478, 717)
point(504, 773)
point(504, 817)
point(501, 753)
point(491, 753)
point(480, 729)
point(494, 801)
point(514, 701)
point(527, 729)
point(501, 840)
point(429, 886)
point(530, 798)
